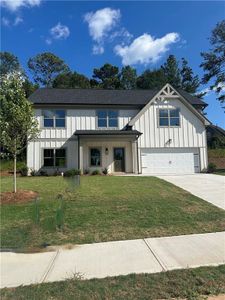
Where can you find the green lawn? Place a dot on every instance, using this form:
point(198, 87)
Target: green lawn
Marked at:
point(220, 172)
point(103, 209)
point(188, 284)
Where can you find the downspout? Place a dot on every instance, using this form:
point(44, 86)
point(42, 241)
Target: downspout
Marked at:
point(78, 140)
point(137, 155)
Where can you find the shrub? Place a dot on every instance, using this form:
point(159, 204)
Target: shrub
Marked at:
point(86, 171)
point(33, 173)
point(95, 172)
point(24, 171)
point(57, 173)
point(72, 172)
point(105, 171)
point(211, 167)
point(43, 173)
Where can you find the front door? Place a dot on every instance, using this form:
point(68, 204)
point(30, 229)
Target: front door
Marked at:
point(119, 161)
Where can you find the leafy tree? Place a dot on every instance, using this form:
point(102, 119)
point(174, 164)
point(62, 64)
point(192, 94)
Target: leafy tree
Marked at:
point(214, 61)
point(8, 63)
point(94, 84)
point(29, 87)
point(17, 122)
point(45, 67)
point(128, 78)
point(189, 82)
point(107, 76)
point(71, 80)
point(151, 79)
point(172, 72)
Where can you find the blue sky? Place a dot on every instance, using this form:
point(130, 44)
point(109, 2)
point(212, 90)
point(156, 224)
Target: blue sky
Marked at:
point(89, 34)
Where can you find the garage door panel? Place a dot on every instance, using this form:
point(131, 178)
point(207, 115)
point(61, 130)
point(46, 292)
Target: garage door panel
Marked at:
point(170, 161)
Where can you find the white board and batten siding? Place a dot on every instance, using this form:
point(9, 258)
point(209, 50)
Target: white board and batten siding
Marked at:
point(188, 140)
point(76, 119)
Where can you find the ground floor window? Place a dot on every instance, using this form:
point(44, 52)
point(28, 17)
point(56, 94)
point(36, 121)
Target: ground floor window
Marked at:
point(55, 157)
point(95, 155)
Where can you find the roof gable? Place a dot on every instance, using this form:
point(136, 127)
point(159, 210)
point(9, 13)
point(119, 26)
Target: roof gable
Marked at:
point(168, 92)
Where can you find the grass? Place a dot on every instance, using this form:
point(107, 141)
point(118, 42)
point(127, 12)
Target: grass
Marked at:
point(220, 172)
point(103, 209)
point(189, 284)
point(7, 165)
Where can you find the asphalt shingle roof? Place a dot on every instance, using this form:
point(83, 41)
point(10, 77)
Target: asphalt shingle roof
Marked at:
point(107, 132)
point(100, 97)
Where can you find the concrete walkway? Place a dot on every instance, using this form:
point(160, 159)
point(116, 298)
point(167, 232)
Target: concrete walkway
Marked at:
point(100, 260)
point(209, 187)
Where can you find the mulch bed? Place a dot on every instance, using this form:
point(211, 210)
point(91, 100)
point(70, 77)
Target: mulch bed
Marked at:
point(21, 196)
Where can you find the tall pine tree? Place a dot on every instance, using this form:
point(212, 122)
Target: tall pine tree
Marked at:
point(189, 82)
point(172, 72)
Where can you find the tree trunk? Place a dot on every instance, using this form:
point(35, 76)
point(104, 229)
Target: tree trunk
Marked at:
point(14, 174)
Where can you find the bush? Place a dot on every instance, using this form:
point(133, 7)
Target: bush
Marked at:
point(57, 173)
point(105, 171)
point(24, 171)
point(72, 172)
point(95, 172)
point(86, 171)
point(33, 173)
point(43, 173)
point(211, 167)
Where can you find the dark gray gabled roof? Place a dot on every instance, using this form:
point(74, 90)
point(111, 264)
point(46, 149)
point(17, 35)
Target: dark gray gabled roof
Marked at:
point(108, 132)
point(47, 96)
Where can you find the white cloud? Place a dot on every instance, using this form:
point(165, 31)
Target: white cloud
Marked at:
point(59, 32)
point(14, 5)
point(145, 49)
point(100, 23)
point(5, 22)
point(122, 33)
point(17, 21)
point(97, 49)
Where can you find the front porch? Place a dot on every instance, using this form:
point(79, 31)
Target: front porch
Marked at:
point(114, 150)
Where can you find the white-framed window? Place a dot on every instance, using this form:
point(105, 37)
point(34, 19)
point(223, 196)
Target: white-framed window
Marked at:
point(95, 157)
point(54, 157)
point(169, 117)
point(54, 118)
point(107, 119)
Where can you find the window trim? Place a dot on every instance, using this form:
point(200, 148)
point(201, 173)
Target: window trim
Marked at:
point(54, 119)
point(168, 126)
point(107, 119)
point(54, 158)
point(100, 149)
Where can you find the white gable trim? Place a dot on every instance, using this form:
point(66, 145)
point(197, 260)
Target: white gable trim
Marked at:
point(168, 92)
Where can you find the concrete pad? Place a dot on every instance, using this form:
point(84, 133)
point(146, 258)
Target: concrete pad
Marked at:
point(18, 269)
point(209, 187)
point(104, 259)
point(189, 251)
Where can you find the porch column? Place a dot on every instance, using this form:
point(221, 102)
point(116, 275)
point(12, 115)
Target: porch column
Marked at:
point(134, 157)
point(81, 158)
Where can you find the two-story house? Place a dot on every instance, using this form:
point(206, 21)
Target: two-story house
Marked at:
point(133, 131)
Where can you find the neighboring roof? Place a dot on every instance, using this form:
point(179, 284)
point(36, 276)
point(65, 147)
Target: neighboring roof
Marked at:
point(216, 129)
point(100, 97)
point(107, 132)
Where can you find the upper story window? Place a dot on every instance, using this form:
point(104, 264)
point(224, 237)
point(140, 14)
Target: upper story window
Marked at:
point(107, 118)
point(54, 118)
point(169, 117)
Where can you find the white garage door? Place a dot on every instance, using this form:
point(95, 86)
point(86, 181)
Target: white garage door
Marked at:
point(170, 161)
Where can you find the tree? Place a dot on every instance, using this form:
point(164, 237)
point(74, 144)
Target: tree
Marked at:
point(29, 87)
point(71, 80)
point(189, 82)
point(8, 63)
point(154, 79)
point(107, 76)
point(214, 61)
point(128, 78)
point(45, 67)
point(172, 72)
point(17, 122)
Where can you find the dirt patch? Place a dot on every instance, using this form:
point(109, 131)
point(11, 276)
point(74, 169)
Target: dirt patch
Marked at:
point(21, 196)
point(218, 161)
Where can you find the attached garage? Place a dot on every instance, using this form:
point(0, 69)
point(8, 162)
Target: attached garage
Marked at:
point(170, 160)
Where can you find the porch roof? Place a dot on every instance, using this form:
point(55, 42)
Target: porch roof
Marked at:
point(108, 132)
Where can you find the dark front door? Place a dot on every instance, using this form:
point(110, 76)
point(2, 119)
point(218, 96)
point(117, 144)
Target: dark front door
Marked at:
point(119, 161)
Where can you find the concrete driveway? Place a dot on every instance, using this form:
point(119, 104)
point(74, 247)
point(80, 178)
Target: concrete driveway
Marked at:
point(209, 187)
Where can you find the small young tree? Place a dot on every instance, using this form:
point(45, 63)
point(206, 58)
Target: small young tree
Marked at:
point(17, 122)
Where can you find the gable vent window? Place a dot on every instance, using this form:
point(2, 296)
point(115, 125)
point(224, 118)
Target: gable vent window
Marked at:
point(169, 117)
point(54, 118)
point(107, 118)
point(55, 157)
